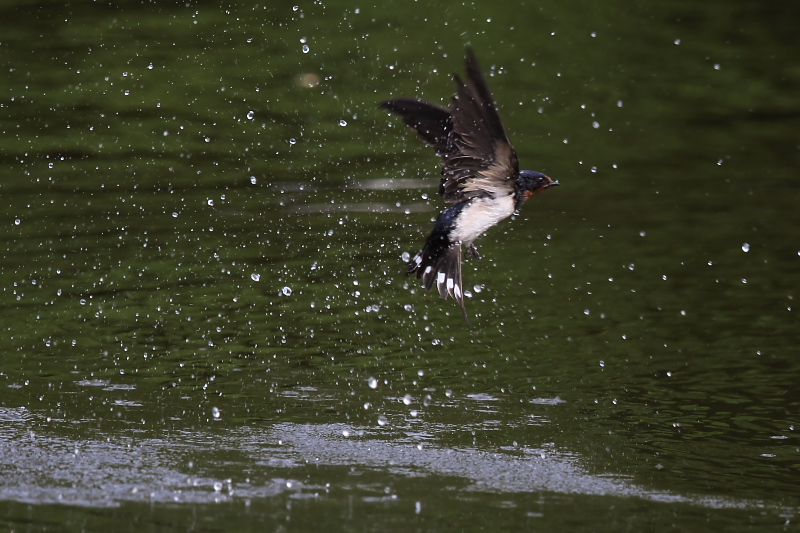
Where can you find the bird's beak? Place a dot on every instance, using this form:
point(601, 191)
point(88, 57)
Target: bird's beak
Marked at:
point(553, 182)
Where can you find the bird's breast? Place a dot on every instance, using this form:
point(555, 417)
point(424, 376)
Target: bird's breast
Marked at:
point(479, 215)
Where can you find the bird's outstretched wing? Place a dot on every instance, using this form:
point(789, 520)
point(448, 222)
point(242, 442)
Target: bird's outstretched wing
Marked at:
point(477, 157)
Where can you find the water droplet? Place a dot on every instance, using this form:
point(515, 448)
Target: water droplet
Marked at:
point(17, 222)
point(345, 433)
point(405, 257)
point(372, 382)
point(210, 202)
point(150, 66)
point(251, 114)
point(342, 122)
point(602, 363)
point(677, 41)
point(595, 124)
point(745, 247)
point(215, 412)
point(407, 399)
point(383, 421)
point(255, 277)
point(448, 393)
point(286, 291)
point(253, 180)
point(174, 214)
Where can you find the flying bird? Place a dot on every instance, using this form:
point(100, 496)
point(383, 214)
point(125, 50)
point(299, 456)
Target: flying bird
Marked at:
point(480, 176)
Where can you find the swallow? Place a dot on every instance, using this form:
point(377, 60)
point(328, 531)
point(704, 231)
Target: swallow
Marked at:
point(480, 176)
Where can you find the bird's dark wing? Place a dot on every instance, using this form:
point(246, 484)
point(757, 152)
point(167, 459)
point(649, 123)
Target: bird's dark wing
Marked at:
point(477, 156)
point(483, 161)
point(432, 122)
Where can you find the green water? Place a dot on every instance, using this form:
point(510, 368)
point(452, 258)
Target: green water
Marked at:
point(204, 319)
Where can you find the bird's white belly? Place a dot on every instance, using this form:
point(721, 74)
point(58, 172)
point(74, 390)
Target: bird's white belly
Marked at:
point(480, 215)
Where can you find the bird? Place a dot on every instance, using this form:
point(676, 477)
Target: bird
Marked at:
point(480, 176)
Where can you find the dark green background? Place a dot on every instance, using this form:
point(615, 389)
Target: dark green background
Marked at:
point(200, 270)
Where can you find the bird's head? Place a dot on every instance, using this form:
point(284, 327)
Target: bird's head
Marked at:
point(532, 182)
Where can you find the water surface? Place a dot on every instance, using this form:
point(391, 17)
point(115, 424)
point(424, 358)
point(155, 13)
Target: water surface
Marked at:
point(205, 319)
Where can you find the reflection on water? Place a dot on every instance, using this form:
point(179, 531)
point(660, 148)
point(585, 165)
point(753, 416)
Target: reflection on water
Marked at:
point(301, 203)
point(249, 463)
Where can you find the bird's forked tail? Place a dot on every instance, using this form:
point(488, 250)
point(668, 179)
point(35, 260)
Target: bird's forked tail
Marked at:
point(441, 264)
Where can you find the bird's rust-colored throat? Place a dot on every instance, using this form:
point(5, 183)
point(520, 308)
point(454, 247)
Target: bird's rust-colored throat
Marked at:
point(553, 183)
